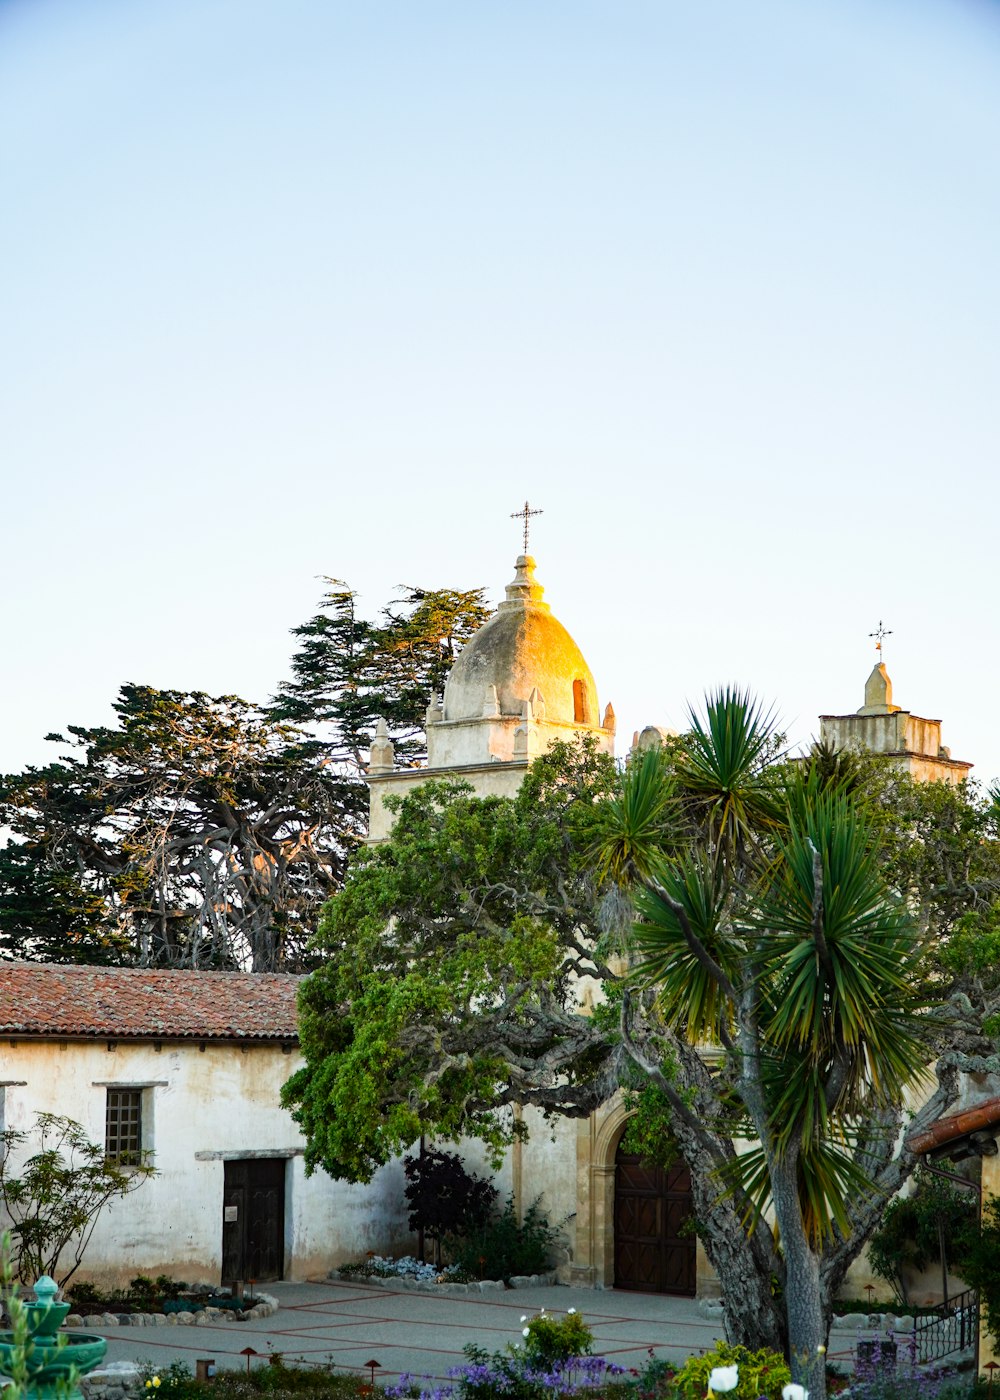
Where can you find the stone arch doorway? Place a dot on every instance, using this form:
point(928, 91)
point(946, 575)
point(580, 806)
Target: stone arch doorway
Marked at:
point(655, 1249)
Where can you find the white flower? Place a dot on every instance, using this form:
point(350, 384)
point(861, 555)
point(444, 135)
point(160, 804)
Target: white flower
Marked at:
point(525, 1332)
point(524, 1318)
point(725, 1378)
point(794, 1392)
point(570, 1312)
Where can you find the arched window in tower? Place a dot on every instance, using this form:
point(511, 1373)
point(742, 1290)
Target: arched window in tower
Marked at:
point(579, 703)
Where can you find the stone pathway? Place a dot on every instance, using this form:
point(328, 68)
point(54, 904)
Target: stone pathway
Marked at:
point(345, 1324)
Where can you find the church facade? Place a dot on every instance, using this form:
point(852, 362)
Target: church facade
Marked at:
point(520, 684)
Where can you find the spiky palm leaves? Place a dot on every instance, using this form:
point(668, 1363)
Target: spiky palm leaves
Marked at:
point(764, 925)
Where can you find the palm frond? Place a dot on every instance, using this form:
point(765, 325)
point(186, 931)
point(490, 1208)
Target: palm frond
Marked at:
point(723, 768)
point(634, 824)
point(689, 996)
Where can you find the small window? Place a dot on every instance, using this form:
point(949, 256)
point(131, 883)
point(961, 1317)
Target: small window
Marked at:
point(579, 702)
point(123, 1127)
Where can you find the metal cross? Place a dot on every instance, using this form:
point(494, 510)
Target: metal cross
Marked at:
point(525, 514)
point(880, 634)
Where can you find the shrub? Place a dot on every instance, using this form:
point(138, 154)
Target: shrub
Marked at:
point(502, 1248)
point(761, 1373)
point(143, 1289)
point(444, 1198)
point(911, 1230)
point(981, 1268)
point(551, 1361)
point(548, 1339)
point(83, 1293)
point(62, 1189)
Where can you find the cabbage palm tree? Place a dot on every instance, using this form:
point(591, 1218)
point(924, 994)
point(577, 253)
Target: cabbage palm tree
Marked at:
point(766, 936)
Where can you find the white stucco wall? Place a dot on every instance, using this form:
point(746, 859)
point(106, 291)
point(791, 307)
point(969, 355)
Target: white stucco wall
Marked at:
point(200, 1107)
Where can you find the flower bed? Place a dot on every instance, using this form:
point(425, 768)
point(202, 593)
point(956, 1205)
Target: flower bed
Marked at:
point(411, 1273)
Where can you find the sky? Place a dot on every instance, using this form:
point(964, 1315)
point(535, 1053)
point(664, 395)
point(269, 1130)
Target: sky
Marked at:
point(309, 288)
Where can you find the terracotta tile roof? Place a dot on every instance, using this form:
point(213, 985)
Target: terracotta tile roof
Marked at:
point(43, 999)
point(979, 1118)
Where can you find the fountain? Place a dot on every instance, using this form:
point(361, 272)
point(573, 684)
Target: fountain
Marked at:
point(53, 1356)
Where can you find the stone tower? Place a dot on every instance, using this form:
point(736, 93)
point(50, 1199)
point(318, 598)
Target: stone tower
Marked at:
point(913, 744)
point(517, 686)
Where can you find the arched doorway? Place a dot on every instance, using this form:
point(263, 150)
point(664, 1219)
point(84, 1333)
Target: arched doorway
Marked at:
point(653, 1251)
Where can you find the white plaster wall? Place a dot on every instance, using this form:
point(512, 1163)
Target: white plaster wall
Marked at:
point(549, 1171)
point(205, 1105)
point(488, 780)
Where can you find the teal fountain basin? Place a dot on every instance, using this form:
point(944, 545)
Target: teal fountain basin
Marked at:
point(54, 1357)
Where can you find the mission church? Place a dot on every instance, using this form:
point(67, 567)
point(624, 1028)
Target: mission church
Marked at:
point(518, 685)
point(188, 1066)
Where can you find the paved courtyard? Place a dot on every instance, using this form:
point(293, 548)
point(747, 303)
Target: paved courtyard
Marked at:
point(346, 1324)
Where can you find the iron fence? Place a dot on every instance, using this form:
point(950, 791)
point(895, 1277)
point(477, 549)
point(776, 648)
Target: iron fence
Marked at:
point(953, 1328)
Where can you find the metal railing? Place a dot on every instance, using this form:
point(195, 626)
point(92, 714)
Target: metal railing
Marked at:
point(954, 1328)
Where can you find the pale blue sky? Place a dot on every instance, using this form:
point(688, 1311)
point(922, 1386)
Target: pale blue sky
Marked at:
point(310, 287)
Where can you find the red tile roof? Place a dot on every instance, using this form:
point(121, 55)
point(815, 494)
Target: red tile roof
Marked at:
point(980, 1117)
point(43, 999)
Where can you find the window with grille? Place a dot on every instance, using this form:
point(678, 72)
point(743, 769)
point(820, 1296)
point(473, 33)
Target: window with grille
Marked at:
point(123, 1127)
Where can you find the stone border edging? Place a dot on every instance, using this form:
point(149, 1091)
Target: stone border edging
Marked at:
point(264, 1305)
point(416, 1285)
point(841, 1322)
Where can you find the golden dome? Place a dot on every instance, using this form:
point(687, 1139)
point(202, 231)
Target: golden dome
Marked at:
point(522, 648)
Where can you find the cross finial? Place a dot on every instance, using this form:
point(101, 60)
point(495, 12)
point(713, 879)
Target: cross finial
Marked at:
point(880, 635)
point(525, 514)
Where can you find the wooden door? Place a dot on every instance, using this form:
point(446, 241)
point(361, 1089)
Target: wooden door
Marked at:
point(653, 1251)
point(253, 1219)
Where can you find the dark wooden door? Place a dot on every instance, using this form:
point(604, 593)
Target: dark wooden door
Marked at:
point(653, 1252)
point(253, 1219)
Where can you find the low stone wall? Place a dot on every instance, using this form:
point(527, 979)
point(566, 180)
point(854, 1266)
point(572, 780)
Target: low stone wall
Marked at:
point(263, 1306)
point(848, 1323)
point(487, 1285)
point(121, 1382)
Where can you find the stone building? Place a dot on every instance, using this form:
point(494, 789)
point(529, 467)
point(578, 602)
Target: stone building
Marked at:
point(520, 683)
point(517, 686)
point(185, 1069)
point(912, 743)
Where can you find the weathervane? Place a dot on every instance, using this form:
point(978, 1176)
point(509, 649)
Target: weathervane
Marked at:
point(525, 514)
point(880, 634)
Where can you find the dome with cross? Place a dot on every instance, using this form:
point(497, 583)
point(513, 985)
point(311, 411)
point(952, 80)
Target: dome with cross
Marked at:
point(523, 656)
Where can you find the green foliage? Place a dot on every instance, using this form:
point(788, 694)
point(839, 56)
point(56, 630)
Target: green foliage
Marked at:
point(780, 905)
point(83, 1293)
point(649, 1131)
point(192, 833)
point(636, 823)
point(19, 1327)
point(503, 1247)
point(177, 1378)
point(446, 953)
point(459, 965)
point(348, 671)
point(981, 1265)
point(548, 1338)
point(56, 1200)
point(207, 831)
point(909, 1235)
point(724, 771)
point(275, 1380)
point(761, 1373)
point(654, 1380)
